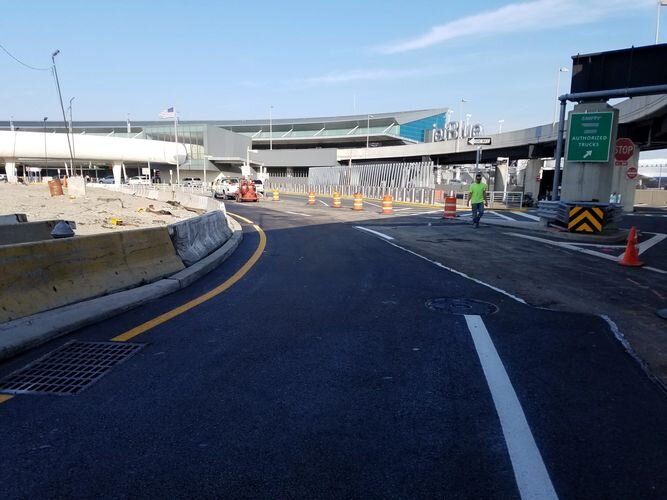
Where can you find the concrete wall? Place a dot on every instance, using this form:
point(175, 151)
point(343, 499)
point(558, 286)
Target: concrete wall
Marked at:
point(652, 197)
point(48, 274)
point(223, 143)
point(297, 157)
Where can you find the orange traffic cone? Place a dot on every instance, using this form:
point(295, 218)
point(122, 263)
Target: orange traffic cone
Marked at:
point(631, 257)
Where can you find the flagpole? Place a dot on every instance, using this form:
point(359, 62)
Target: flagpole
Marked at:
point(178, 168)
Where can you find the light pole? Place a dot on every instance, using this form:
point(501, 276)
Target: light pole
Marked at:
point(458, 132)
point(271, 127)
point(661, 3)
point(62, 106)
point(46, 158)
point(69, 108)
point(500, 126)
point(557, 102)
point(368, 130)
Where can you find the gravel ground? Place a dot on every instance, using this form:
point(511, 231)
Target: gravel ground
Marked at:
point(93, 212)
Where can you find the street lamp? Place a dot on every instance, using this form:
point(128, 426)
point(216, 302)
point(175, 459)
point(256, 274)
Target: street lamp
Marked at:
point(560, 70)
point(500, 126)
point(46, 158)
point(62, 107)
point(661, 3)
point(368, 130)
point(69, 108)
point(458, 132)
point(271, 127)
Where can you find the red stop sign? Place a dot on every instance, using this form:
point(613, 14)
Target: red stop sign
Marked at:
point(632, 172)
point(625, 148)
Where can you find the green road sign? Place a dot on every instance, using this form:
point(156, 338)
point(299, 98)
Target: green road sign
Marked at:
point(589, 136)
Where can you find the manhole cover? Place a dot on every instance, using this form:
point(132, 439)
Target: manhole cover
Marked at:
point(69, 369)
point(461, 306)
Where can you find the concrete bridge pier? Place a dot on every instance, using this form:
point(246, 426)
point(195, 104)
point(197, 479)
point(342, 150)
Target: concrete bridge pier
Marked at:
point(10, 169)
point(117, 169)
point(531, 177)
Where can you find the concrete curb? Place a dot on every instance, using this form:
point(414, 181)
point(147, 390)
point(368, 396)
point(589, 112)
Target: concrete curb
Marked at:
point(28, 332)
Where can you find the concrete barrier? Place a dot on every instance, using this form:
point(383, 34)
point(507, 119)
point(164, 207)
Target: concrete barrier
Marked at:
point(44, 275)
point(653, 197)
point(27, 232)
point(11, 219)
point(197, 237)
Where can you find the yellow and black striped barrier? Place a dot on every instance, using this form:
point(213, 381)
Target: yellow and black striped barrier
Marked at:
point(586, 220)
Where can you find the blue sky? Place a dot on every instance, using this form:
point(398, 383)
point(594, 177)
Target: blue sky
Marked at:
point(231, 60)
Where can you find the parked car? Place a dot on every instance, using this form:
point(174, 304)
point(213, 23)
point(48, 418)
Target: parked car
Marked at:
point(259, 186)
point(107, 179)
point(3, 177)
point(192, 182)
point(225, 188)
point(139, 179)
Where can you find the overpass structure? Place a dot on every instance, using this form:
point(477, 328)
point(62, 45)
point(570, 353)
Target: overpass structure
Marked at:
point(642, 119)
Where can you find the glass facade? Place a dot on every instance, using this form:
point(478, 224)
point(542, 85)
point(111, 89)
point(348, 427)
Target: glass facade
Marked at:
point(417, 130)
point(192, 136)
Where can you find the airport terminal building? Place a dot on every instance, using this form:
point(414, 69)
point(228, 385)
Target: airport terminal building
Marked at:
point(204, 149)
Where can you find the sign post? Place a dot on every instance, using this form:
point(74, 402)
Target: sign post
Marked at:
point(479, 142)
point(589, 137)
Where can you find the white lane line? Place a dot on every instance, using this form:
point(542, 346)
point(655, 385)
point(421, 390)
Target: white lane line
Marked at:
point(420, 213)
point(376, 233)
point(530, 473)
point(323, 203)
point(451, 270)
point(502, 216)
point(297, 213)
point(528, 216)
point(372, 204)
point(642, 247)
point(581, 250)
point(566, 245)
point(402, 209)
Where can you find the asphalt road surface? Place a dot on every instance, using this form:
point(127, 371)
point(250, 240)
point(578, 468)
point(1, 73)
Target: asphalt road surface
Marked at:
point(331, 369)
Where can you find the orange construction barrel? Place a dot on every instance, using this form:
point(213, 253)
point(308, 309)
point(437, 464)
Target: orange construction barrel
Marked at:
point(450, 208)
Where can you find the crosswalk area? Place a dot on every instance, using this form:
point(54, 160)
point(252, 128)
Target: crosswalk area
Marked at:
point(489, 214)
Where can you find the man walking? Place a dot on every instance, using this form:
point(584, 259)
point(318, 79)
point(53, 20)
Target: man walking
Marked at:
point(478, 199)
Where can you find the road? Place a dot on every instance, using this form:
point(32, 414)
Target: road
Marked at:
point(329, 370)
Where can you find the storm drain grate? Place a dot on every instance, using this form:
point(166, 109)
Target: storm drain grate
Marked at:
point(450, 305)
point(69, 369)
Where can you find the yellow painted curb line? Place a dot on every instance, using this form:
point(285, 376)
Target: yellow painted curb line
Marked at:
point(5, 397)
point(163, 318)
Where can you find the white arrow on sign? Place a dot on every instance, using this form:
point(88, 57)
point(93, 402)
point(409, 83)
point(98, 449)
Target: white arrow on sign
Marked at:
point(479, 141)
point(588, 153)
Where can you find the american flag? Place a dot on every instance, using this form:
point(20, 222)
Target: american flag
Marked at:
point(168, 113)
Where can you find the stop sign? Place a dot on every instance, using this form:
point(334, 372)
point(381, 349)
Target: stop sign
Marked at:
point(625, 148)
point(631, 173)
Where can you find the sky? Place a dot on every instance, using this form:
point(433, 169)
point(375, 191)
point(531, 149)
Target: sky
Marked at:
point(217, 60)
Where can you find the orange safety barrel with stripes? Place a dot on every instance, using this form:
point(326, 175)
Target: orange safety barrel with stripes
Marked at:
point(450, 208)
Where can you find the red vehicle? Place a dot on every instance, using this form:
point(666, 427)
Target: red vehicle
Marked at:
point(247, 191)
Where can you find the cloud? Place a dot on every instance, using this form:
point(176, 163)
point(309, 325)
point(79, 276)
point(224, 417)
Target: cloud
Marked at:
point(356, 75)
point(516, 18)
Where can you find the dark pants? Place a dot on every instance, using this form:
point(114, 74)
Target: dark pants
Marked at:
point(477, 212)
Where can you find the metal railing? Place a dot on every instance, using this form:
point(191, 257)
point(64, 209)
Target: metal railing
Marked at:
point(424, 196)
